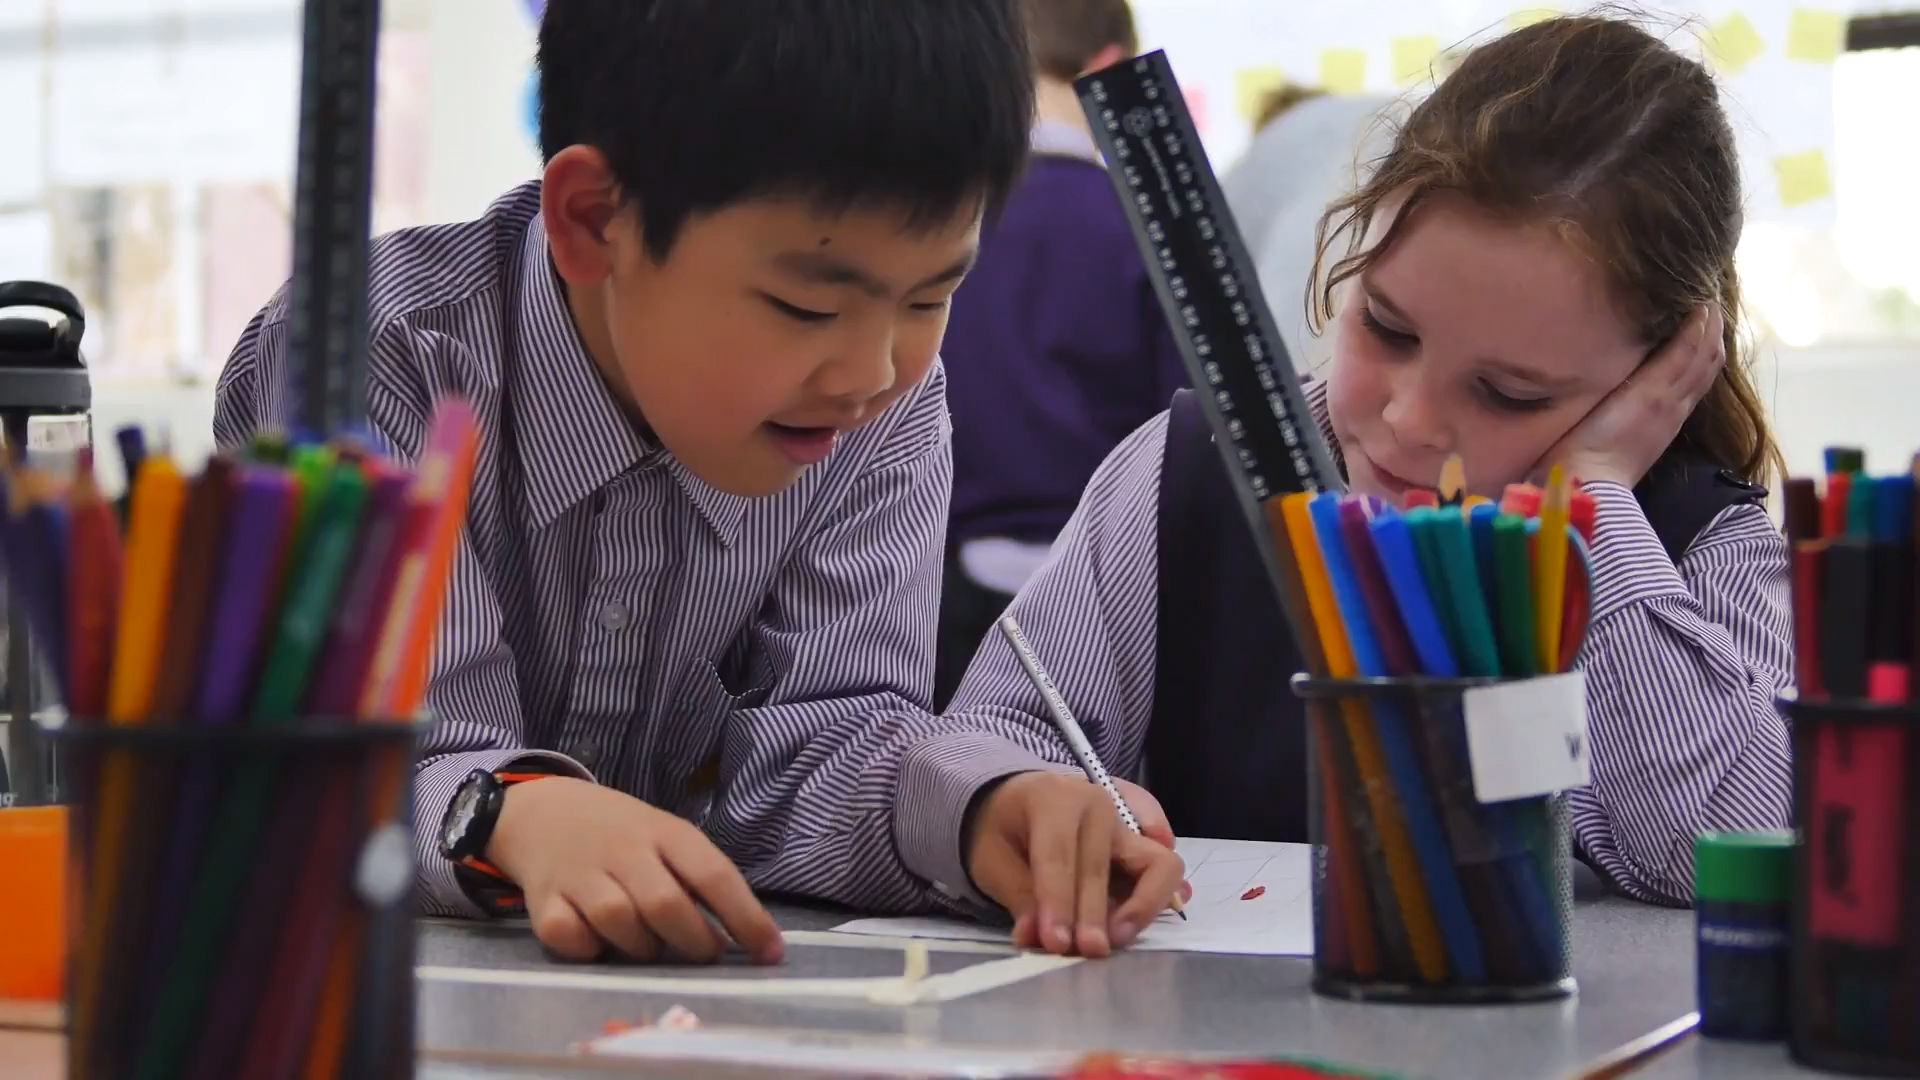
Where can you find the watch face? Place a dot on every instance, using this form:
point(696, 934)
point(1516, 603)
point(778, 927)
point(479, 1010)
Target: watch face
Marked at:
point(460, 816)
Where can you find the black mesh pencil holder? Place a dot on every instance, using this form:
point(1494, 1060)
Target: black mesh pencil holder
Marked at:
point(1422, 893)
point(1856, 921)
point(194, 850)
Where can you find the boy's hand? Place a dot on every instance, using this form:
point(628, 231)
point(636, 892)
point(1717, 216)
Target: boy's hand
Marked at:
point(600, 867)
point(1043, 845)
point(1632, 426)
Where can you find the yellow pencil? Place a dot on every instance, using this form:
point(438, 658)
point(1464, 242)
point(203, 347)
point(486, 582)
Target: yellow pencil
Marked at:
point(159, 496)
point(1550, 569)
point(1453, 480)
point(1409, 888)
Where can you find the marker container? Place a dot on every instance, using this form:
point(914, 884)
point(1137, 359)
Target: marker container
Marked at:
point(310, 953)
point(1856, 942)
point(1743, 933)
point(1421, 892)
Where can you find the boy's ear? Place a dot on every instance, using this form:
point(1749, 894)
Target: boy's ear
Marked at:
point(579, 201)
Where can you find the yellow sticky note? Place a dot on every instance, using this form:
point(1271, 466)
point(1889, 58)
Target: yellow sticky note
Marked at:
point(1413, 58)
point(1816, 36)
point(1343, 71)
point(1803, 178)
point(1529, 16)
point(1733, 43)
point(1252, 85)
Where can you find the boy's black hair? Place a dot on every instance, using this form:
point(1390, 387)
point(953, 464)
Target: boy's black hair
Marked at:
point(921, 105)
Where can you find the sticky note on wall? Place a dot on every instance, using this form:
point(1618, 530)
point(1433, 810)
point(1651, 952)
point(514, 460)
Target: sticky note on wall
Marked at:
point(1343, 71)
point(1816, 36)
point(1803, 178)
point(1413, 58)
point(1733, 43)
point(1529, 16)
point(1251, 87)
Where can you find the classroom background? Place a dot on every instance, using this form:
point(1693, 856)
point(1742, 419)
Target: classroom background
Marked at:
point(148, 161)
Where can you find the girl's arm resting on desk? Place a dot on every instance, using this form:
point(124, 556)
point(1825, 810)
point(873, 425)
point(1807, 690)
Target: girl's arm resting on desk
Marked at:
point(1683, 665)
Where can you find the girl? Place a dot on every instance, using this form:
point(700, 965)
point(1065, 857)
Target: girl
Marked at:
point(1541, 270)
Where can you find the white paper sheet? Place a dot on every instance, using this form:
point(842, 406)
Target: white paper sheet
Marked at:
point(1278, 922)
point(832, 1053)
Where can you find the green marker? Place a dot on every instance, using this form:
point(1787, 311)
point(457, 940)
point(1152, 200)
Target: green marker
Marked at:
point(1513, 567)
point(1464, 594)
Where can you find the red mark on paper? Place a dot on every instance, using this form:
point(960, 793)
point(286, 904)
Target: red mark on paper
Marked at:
point(1254, 893)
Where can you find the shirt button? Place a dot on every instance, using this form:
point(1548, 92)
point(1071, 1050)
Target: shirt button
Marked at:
point(587, 753)
point(615, 616)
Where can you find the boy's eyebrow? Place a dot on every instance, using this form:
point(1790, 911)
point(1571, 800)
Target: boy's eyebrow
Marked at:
point(821, 268)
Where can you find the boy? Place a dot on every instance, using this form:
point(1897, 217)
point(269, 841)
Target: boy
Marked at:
point(1058, 348)
point(700, 565)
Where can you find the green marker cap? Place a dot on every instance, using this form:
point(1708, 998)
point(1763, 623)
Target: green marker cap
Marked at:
point(1744, 867)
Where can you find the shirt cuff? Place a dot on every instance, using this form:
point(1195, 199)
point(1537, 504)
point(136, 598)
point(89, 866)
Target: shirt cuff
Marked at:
point(938, 781)
point(434, 784)
point(1630, 565)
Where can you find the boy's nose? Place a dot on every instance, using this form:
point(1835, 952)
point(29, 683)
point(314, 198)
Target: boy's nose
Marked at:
point(858, 372)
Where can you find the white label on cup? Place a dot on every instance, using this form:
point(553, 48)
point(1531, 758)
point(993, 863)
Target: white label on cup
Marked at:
point(1528, 738)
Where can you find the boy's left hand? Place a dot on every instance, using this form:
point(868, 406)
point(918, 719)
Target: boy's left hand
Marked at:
point(1632, 426)
point(1044, 846)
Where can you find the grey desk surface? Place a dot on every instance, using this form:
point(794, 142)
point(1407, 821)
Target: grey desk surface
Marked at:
point(1634, 964)
point(1705, 1059)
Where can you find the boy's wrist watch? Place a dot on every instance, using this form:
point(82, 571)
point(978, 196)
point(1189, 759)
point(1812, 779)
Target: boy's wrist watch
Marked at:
point(465, 832)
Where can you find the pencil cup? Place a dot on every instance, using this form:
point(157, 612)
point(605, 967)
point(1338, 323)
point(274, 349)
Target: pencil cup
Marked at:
point(1422, 890)
point(1856, 921)
point(241, 900)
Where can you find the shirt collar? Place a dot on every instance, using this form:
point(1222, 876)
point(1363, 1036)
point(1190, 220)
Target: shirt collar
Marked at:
point(1062, 139)
point(572, 435)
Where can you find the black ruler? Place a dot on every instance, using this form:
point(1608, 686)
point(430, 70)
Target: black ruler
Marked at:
point(332, 215)
point(1207, 286)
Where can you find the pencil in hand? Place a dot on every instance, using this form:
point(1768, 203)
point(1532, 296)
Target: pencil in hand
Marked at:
point(1069, 729)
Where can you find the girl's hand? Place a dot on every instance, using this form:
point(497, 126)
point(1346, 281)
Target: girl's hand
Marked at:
point(1632, 426)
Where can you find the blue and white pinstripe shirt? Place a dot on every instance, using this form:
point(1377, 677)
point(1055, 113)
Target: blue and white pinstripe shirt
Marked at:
point(1683, 664)
point(761, 666)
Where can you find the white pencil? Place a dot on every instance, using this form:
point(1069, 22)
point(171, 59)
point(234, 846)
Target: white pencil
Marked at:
point(1070, 728)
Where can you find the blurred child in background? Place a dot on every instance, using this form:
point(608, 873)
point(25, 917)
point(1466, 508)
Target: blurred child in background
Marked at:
point(1057, 347)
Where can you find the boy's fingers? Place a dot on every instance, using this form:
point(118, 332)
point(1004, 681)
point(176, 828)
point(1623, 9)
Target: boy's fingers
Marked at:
point(610, 911)
point(1051, 854)
point(562, 929)
point(713, 880)
point(1156, 874)
point(666, 908)
point(1098, 825)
